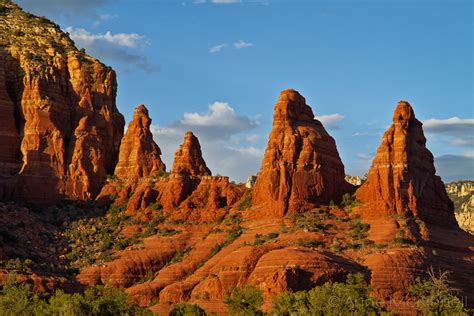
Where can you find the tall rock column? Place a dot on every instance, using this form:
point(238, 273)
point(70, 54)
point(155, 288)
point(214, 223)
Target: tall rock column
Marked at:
point(139, 154)
point(188, 168)
point(402, 177)
point(301, 167)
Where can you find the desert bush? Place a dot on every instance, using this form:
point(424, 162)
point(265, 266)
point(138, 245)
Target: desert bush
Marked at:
point(244, 300)
point(435, 296)
point(186, 309)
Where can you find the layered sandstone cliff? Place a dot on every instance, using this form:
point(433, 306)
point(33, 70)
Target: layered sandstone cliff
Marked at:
point(301, 167)
point(139, 154)
point(61, 130)
point(462, 195)
point(402, 179)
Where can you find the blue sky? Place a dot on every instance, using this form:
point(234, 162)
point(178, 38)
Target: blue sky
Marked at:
point(216, 67)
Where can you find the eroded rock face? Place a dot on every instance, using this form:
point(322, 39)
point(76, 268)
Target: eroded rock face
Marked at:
point(139, 154)
point(301, 167)
point(188, 159)
point(402, 177)
point(61, 129)
point(188, 167)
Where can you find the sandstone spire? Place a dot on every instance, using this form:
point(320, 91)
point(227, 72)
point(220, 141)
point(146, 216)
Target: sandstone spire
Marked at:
point(402, 176)
point(301, 167)
point(139, 154)
point(188, 158)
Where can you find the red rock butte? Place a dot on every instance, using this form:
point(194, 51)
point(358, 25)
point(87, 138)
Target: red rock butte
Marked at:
point(402, 179)
point(139, 154)
point(301, 167)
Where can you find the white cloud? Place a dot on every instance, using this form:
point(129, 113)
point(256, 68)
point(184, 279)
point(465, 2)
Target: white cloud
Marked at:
point(122, 48)
point(241, 44)
point(330, 121)
point(217, 130)
point(121, 39)
point(217, 48)
point(450, 125)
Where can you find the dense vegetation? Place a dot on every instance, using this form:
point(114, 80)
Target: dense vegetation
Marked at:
point(349, 298)
point(19, 299)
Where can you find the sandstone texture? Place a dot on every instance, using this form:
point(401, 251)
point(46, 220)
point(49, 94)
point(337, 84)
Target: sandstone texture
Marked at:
point(402, 179)
point(61, 129)
point(301, 167)
point(462, 195)
point(139, 155)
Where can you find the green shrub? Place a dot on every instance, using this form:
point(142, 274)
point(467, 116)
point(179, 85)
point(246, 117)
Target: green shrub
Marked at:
point(19, 299)
point(185, 309)
point(244, 300)
point(435, 297)
point(349, 298)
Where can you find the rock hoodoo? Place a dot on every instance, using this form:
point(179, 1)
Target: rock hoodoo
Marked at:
point(402, 177)
point(301, 167)
point(139, 154)
point(188, 158)
point(61, 129)
point(188, 167)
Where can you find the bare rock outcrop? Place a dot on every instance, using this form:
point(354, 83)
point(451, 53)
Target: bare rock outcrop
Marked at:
point(139, 154)
point(402, 179)
point(301, 167)
point(61, 129)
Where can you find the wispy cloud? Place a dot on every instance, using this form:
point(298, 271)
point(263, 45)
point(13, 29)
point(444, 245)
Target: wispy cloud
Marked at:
point(217, 48)
point(121, 48)
point(104, 18)
point(242, 44)
point(330, 121)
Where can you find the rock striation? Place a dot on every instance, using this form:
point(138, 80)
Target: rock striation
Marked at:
point(402, 179)
point(61, 129)
point(301, 167)
point(139, 154)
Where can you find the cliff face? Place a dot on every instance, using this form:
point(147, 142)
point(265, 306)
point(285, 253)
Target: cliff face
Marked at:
point(402, 177)
point(462, 195)
point(301, 167)
point(62, 129)
point(139, 154)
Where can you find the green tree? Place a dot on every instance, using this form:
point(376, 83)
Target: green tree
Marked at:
point(244, 300)
point(349, 298)
point(17, 299)
point(185, 309)
point(435, 296)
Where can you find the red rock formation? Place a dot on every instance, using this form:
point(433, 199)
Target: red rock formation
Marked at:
point(301, 167)
point(188, 158)
point(188, 167)
point(139, 154)
point(61, 129)
point(402, 177)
